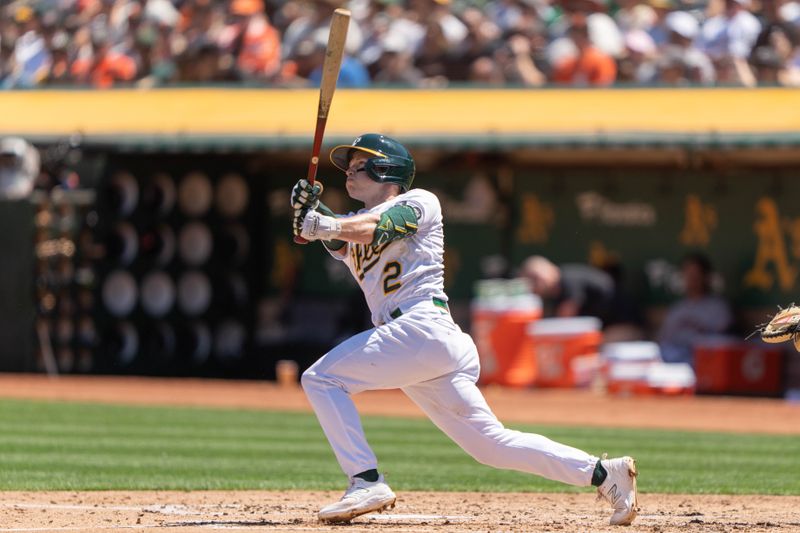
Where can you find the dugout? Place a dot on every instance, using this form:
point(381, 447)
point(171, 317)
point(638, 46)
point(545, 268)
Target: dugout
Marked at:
point(636, 176)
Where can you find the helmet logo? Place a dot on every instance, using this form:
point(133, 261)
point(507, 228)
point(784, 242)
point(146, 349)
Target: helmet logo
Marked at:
point(358, 140)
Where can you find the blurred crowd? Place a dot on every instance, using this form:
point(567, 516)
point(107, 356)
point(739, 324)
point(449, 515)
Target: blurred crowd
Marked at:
point(406, 43)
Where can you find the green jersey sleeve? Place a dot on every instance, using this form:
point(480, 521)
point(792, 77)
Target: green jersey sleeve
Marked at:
point(397, 222)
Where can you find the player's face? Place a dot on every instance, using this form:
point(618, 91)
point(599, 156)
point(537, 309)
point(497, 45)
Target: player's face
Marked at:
point(359, 185)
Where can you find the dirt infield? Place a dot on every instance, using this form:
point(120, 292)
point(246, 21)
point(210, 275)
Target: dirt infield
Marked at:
point(416, 511)
point(199, 512)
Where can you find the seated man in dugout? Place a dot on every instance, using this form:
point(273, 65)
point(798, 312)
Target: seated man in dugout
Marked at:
point(698, 316)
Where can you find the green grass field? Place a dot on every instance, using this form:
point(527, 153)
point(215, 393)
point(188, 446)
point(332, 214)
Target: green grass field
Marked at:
point(76, 446)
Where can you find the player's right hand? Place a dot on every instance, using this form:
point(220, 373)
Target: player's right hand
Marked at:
point(305, 195)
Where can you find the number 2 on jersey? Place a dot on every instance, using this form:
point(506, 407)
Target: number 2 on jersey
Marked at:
point(392, 271)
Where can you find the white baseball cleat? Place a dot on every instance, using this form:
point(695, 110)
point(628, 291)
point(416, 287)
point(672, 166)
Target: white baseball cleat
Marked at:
point(361, 497)
point(619, 489)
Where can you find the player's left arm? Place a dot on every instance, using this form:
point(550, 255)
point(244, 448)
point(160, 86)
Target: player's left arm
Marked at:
point(397, 222)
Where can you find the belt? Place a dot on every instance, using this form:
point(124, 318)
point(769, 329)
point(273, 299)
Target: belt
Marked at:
point(438, 302)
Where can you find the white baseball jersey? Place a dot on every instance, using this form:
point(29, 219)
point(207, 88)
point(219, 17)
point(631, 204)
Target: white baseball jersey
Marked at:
point(399, 274)
point(423, 352)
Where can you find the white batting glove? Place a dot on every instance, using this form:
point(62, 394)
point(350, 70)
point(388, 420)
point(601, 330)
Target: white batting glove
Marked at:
point(305, 196)
point(297, 221)
point(318, 226)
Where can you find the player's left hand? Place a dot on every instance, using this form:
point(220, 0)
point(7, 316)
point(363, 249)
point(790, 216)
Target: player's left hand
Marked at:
point(305, 195)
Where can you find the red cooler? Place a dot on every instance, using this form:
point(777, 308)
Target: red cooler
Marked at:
point(734, 367)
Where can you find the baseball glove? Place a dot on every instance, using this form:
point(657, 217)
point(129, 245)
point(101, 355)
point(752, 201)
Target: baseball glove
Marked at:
point(783, 326)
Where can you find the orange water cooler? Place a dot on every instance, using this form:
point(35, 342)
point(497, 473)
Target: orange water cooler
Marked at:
point(500, 317)
point(565, 351)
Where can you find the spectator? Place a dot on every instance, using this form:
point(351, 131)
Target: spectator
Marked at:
point(252, 41)
point(376, 25)
point(672, 69)
point(317, 16)
point(636, 66)
point(634, 15)
point(438, 54)
point(679, 62)
point(8, 65)
point(697, 316)
point(454, 31)
point(768, 66)
point(59, 68)
point(396, 64)
point(388, 27)
point(658, 29)
point(590, 66)
point(506, 14)
point(482, 38)
point(101, 66)
point(775, 47)
point(603, 31)
point(308, 56)
point(31, 54)
point(200, 21)
point(789, 11)
point(683, 28)
point(205, 62)
point(533, 15)
point(728, 38)
point(311, 56)
point(352, 74)
point(153, 56)
point(524, 59)
point(484, 71)
point(577, 290)
point(434, 54)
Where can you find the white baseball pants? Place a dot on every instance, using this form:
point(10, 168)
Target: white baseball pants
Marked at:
point(426, 354)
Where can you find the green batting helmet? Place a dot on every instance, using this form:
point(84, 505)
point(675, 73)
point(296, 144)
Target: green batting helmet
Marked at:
point(391, 162)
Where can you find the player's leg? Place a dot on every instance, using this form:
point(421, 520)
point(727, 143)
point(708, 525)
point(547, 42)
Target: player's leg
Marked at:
point(455, 404)
point(380, 358)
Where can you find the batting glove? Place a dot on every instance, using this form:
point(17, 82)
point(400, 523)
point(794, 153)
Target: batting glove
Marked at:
point(318, 226)
point(297, 221)
point(305, 195)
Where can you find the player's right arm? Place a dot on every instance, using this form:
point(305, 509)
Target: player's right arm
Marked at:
point(396, 222)
point(314, 221)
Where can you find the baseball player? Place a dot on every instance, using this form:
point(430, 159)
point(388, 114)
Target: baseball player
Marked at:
point(394, 247)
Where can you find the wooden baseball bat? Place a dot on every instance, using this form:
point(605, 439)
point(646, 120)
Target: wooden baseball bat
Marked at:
point(330, 73)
